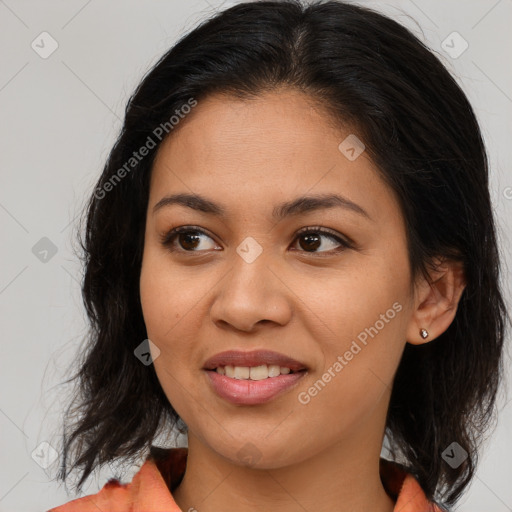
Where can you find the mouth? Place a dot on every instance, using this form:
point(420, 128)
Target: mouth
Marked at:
point(254, 365)
point(260, 372)
point(252, 378)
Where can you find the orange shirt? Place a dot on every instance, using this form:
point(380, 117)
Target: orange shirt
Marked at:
point(148, 491)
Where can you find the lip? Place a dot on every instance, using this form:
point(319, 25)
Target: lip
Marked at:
point(253, 358)
point(252, 392)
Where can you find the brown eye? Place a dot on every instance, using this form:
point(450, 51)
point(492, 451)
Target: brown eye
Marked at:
point(188, 241)
point(311, 239)
point(186, 238)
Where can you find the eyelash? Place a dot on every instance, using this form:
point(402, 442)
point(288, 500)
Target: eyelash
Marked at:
point(167, 239)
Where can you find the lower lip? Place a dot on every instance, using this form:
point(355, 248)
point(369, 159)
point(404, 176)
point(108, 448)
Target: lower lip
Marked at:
point(252, 392)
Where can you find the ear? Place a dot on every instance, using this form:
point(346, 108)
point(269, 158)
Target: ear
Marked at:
point(436, 301)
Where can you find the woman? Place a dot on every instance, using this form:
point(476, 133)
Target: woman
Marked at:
point(291, 256)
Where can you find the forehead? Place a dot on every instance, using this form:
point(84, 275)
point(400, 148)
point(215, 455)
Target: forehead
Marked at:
point(278, 144)
point(277, 121)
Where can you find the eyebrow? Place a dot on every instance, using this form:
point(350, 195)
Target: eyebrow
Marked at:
point(296, 206)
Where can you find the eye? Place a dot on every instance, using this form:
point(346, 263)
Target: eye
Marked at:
point(312, 240)
point(189, 239)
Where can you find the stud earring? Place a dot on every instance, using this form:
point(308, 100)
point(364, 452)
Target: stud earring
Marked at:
point(423, 333)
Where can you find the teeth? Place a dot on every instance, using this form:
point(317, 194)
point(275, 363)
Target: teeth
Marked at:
point(259, 372)
point(241, 372)
point(274, 370)
point(254, 372)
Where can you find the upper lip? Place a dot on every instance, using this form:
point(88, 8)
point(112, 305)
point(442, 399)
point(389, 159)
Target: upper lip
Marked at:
point(253, 358)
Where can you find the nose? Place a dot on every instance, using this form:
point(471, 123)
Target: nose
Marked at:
point(250, 295)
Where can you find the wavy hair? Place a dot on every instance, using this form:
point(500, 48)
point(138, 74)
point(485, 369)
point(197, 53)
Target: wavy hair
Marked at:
point(369, 72)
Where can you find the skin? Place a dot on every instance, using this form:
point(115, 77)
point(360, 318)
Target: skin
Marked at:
point(308, 303)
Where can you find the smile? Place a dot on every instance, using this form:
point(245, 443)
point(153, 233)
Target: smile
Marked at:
point(244, 390)
point(260, 372)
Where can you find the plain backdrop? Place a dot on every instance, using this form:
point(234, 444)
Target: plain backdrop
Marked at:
point(62, 98)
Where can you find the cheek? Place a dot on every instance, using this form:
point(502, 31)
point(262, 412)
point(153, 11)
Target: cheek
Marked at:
point(364, 321)
point(362, 339)
point(171, 307)
point(166, 295)
point(165, 303)
point(161, 312)
point(156, 306)
point(354, 299)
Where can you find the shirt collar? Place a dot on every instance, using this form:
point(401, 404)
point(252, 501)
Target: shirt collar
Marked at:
point(151, 488)
point(400, 485)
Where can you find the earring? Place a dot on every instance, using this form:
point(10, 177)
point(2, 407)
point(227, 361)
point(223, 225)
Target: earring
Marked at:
point(423, 333)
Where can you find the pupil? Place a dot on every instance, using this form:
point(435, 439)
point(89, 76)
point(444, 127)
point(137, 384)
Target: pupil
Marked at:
point(189, 237)
point(311, 239)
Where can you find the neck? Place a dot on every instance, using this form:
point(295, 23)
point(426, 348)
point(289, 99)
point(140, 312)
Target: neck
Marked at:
point(341, 478)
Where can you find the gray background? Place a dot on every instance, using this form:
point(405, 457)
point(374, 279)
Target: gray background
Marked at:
point(60, 116)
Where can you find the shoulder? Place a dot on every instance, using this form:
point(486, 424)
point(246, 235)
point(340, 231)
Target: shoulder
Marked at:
point(148, 490)
point(114, 496)
point(404, 488)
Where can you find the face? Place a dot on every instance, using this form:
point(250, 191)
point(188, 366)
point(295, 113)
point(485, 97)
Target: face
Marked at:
point(335, 298)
